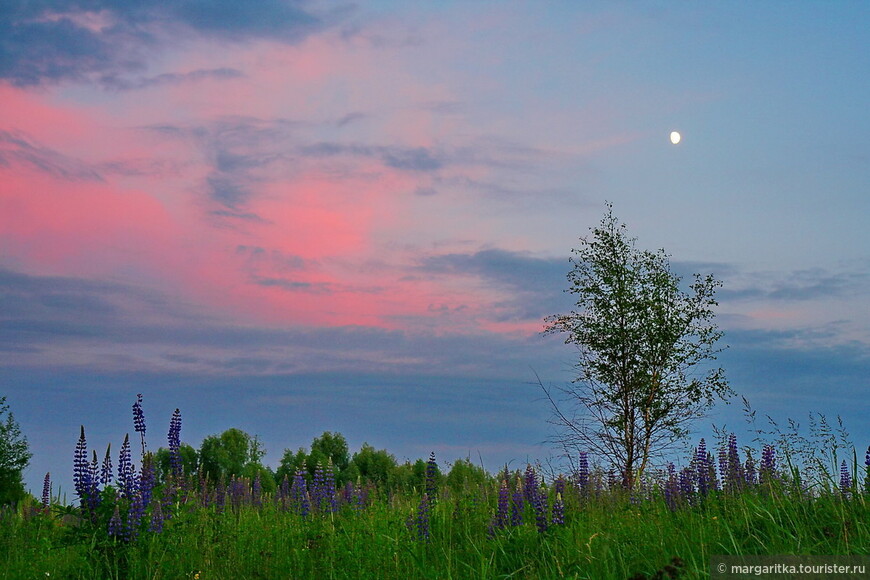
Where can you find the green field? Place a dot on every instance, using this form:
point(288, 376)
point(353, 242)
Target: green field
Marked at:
point(606, 534)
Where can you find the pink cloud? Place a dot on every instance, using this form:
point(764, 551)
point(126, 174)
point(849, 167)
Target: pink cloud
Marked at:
point(76, 227)
point(353, 223)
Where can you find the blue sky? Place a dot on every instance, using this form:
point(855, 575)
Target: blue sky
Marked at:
point(294, 217)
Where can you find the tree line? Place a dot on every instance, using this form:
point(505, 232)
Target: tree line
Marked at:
point(234, 453)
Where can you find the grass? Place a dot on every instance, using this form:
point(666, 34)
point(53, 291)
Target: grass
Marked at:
point(605, 536)
point(444, 527)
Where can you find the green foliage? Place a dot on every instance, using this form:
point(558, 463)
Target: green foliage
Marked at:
point(642, 342)
point(232, 453)
point(291, 463)
point(464, 474)
point(189, 461)
point(376, 466)
point(14, 457)
point(329, 448)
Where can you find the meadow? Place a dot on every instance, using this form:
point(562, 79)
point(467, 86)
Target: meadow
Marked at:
point(136, 519)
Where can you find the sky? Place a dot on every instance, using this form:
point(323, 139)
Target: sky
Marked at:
point(292, 217)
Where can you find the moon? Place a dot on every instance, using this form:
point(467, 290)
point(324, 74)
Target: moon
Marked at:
point(675, 137)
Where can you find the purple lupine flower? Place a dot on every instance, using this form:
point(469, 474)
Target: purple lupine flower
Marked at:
point(750, 475)
point(767, 470)
point(867, 469)
point(431, 479)
point(422, 520)
point(205, 495)
point(329, 491)
point(146, 480)
point(319, 493)
point(220, 495)
point(301, 502)
point(703, 466)
point(135, 514)
point(85, 477)
point(174, 439)
point(501, 512)
point(257, 491)
point(115, 529)
point(735, 476)
point(583, 473)
point(723, 464)
point(559, 484)
point(126, 474)
point(540, 505)
point(94, 480)
point(346, 495)
point(845, 479)
point(156, 525)
point(81, 469)
point(687, 487)
point(237, 492)
point(354, 495)
point(530, 484)
point(46, 492)
point(106, 470)
point(139, 420)
point(283, 494)
point(95, 469)
point(517, 504)
point(362, 496)
point(558, 511)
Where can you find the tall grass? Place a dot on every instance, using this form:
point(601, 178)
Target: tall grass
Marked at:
point(670, 526)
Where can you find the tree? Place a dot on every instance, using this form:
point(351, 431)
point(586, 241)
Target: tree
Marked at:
point(464, 474)
point(14, 457)
point(189, 461)
point(376, 466)
point(291, 463)
point(232, 453)
point(643, 343)
point(330, 447)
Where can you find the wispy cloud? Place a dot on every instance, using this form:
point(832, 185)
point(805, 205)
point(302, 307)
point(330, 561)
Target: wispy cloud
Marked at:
point(113, 81)
point(799, 285)
point(18, 149)
point(106, 41)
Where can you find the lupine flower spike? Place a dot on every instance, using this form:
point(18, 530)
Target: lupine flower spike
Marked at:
point(422, 520)
point(845, 479)
point(106, 470)
point(46, 492)
point(867, 469)
point(126, 479)
point(558, 511)
point(174, 439)
point(583, 473)
point(139, 420)
point(767, 469)
point(517, 504)
point(431, 475)
point(81, 469)
point(115, 529)
point(703, 467)
point(735, 475)
point(540, 505)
